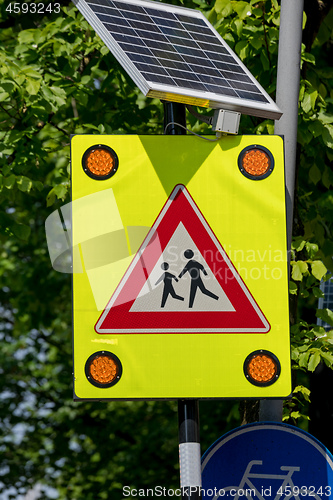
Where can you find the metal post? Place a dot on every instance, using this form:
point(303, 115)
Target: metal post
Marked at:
point(287, 92)
point(174, 113)
point(188, 409)
point(189, 449)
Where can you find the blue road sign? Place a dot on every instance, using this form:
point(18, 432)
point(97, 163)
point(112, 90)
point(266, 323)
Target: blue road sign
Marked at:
point(267, 461)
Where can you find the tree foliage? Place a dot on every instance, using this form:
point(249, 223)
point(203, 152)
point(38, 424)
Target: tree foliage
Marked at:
point(58, 79)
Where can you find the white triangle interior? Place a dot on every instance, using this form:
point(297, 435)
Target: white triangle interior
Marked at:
point(150, 296)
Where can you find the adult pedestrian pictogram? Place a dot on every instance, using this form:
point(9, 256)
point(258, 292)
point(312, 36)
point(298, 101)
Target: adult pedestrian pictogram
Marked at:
point(194, 269)
point(202, 291)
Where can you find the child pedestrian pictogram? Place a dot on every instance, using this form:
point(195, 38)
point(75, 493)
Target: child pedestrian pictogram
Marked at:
point(168, 286)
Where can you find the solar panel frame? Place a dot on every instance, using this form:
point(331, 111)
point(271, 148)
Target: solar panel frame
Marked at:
point(237, 86)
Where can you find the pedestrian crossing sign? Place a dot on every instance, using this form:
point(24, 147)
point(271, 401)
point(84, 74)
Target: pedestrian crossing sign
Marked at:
point(180, 270)
point(213, 296)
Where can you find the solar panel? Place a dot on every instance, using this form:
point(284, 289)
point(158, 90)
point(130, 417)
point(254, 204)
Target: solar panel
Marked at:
point(175, 54)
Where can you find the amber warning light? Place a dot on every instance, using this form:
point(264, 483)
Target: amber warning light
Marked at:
point(262, 368)
point(256, 162)
point(103, 369)
point(100, 162)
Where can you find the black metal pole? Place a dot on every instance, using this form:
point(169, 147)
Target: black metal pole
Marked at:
point(188, 409)
point(174, 112)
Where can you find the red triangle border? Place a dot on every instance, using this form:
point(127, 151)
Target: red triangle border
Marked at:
point(117, 317)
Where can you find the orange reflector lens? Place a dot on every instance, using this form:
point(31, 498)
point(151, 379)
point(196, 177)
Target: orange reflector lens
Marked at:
point(256, 162)
point(262, 368)
point(100, 162)
point(103, 369)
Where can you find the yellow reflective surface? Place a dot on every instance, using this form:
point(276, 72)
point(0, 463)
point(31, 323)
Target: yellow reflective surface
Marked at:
point(111, 219)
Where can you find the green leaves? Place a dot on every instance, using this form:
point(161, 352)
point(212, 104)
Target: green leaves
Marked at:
point(300, 389)
point(312, 344)
point(318, 269)
point(326, 315)
point(223, 7)
point(56, 96)
point(243, 9)
point(242, 49)
point(23, 183)
point(299, 269)
point(328, 135)
point(20, 230)
point(295, 408)
point(11, 226)
point(228, 7)
point(9, 182)
point(33, 86)
point(293, 288)
point(306, 267)
point(314, 174)
point(309, 98)
point(58, 192)
point(58, 79)
point(314, 360)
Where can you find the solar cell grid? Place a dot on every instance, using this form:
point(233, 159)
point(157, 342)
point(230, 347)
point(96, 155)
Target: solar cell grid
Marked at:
point(118, 29)
point(145, 59)
point(126, 6)
point(101, 2)
point(158, 70)
point(167, 22)
point(158, 45)
point(194, 28)
point(177, 33)
point(203, 62)
point(132, 16)
point(128, 39)
point(206, 45)
point(237, 72)
point(173, 46)
point(190, 20)
point(157, 13)
point(189, 51)
point(233, 76)
point(191, 84)
point(181, 41)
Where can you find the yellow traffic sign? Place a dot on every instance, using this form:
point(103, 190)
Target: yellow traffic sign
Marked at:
point(180, 284)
